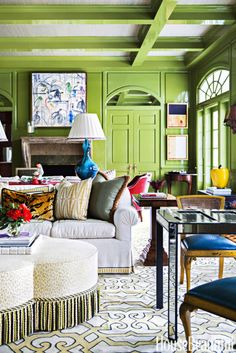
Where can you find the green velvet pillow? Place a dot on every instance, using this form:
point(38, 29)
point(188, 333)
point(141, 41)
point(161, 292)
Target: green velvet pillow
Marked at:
point(100, 177)
point(105, 197)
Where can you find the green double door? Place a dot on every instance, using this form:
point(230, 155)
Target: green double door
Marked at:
point(133, 141)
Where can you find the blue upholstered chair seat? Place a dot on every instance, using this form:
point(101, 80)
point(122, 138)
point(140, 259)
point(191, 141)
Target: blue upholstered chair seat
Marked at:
point(221, 292)
point(208, 242)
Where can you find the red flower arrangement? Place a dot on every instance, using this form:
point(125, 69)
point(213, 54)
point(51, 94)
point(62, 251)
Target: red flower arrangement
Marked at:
point(13, 216)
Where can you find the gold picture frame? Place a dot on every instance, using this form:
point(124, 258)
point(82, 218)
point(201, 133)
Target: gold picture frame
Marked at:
point(177, 147)
point(177, 115)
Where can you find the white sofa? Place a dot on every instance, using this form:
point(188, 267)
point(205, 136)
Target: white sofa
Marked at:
point(113, 240)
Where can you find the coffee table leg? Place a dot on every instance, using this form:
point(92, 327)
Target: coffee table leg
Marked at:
point(173, 283)
point(159, 266)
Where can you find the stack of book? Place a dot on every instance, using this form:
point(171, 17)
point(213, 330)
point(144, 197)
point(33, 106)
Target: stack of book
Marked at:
point(216, 191)
point(153, 195)
point(72, 179)
point(20, 245)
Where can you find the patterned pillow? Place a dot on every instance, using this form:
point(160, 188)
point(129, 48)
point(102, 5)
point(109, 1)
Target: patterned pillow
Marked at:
point(72, 199)
point(41, 205)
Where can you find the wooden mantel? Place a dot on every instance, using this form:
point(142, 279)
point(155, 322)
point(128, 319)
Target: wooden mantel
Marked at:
point(50, 150)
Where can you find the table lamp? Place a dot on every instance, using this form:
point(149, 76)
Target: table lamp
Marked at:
point(86, 126)
point(2, 133)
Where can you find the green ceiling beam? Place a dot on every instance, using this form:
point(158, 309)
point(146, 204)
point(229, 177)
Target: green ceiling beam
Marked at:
point(176, 43)
point(212, 42)
point(203, 13)
point(75, 14)
point(162, 15)
point(26, 63)
point(52, 43)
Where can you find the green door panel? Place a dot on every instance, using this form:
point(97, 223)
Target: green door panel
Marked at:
point(133, 139)
point(146, 142)
point(120, 141)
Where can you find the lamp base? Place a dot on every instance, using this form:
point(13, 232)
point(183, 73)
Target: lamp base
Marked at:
point(86, 168)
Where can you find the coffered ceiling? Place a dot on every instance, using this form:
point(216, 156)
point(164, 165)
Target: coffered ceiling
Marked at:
point(136, 32)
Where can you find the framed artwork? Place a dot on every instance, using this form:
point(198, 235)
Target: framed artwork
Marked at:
point(177, 147)
point(177, 115)
point(57, 98)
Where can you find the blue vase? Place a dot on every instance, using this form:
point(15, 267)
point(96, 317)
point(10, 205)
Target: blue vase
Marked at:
point(86, 168)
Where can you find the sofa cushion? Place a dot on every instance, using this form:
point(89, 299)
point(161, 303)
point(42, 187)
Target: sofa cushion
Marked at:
point(105, 197)
point(72, 199)
point(88, 229)
point(41, 205)
point(36, 227)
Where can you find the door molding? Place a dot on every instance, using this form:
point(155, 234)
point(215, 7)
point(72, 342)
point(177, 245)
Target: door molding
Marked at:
point(128, 88)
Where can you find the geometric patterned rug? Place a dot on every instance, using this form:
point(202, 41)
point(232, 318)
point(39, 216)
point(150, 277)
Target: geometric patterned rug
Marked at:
point(128, 321)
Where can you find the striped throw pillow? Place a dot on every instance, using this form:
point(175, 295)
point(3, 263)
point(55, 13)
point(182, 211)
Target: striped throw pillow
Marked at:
point(72, 199)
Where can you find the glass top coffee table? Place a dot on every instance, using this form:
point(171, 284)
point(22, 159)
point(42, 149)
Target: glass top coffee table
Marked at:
point(184, 222)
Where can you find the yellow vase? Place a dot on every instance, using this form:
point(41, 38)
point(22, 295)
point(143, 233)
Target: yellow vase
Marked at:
point(220, 177)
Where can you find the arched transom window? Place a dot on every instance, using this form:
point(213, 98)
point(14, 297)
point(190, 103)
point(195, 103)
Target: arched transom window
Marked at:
point(213, 85)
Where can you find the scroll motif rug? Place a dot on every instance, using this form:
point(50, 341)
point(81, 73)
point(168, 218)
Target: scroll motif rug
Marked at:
point(128, 321)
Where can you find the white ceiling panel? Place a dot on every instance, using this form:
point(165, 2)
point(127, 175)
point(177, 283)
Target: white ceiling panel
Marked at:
point(69, 52)
point(167, 53)
point(206, 2)
point(77, 2)
point(184, 30)
point(26, 30)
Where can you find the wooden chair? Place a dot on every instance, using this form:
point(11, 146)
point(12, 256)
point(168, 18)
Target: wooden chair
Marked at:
point(203, 245)
point(217, 297)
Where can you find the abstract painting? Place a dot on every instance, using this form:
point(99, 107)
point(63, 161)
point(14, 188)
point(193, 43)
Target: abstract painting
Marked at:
point(57, 98)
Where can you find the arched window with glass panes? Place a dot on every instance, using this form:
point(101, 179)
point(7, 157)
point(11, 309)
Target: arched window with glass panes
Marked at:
point(213, 103)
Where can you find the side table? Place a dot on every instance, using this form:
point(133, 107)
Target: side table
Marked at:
point(178, 177)
point(149, 252)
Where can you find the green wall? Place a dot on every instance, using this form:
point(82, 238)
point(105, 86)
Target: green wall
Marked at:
point(170, 84)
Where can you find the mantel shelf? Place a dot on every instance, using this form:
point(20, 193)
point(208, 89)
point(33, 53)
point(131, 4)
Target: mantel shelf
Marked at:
point(50, 150)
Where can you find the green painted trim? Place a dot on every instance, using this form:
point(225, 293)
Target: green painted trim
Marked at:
point(203, 13)
point(6, 95)
point(95, 14)
point(6, 109)
point(163, 13)
point(88, 43)
point(175, 43)
point(127, 88)
point(131, 107)
point(213, 44)
point(54, 63)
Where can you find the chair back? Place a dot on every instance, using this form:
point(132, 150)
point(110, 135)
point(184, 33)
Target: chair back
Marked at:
point(200, 201)
point(139, 183)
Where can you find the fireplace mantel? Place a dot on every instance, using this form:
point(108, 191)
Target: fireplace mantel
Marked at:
point(50, 150)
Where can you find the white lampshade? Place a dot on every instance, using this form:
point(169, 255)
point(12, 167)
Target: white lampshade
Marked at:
point(2, 133)
point(86, 126)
